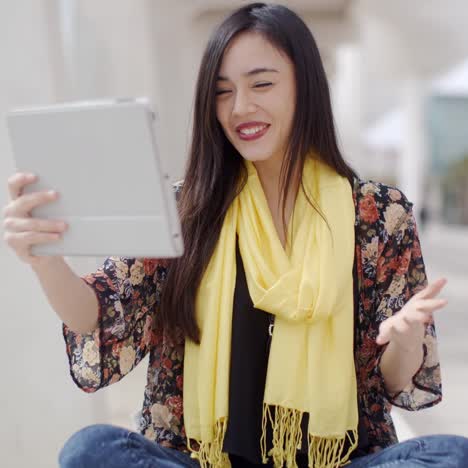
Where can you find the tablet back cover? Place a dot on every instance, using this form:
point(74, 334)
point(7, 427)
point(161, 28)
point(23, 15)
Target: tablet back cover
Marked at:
point(102, 158)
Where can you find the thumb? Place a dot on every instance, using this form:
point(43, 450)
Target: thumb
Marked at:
point(385, 332)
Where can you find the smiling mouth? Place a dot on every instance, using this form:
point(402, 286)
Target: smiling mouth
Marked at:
point(253, 133)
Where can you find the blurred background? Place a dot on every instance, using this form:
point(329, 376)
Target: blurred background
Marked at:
point(398, 72)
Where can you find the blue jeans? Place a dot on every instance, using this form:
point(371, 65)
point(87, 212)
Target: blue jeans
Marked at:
point(105, 446)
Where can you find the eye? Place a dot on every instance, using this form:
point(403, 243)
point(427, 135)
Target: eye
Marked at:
point(219, 92)
point(263, 85)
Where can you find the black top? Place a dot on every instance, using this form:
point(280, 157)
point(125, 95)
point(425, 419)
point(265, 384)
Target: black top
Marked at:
point(249, 360)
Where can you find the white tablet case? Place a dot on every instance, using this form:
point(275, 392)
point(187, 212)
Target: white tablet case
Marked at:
point(102, 158)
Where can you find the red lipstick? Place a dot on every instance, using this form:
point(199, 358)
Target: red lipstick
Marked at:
point(252, 130)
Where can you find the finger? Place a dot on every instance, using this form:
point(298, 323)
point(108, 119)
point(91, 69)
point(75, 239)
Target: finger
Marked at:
point(383, 339)
point(418, 316)
point(17, 182)
point(385, 332)
point(432, 289)
point(24, 204)
point(22, 241)
point(33, 224)
point(430, 305)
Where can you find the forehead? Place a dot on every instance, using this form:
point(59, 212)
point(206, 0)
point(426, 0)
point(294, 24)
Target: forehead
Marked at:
point(251, 50)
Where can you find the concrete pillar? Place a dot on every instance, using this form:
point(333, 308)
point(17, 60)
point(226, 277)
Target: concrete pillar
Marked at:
point(108, 51)
point(173, 46)
point(413, 163)
point(390, 61)
point(347, 103)
point(41, 406)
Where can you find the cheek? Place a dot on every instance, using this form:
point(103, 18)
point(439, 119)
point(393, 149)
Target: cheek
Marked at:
point(287, 113)
point(223, 108)
point(281, 109)
point(222, 117)
point(287, 105)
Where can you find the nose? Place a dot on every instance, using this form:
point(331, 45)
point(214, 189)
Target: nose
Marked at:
point(243, 104)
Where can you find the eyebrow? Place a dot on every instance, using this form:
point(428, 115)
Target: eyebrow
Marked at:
point(255, 71)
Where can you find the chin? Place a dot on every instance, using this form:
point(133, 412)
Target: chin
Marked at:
point(253, 157)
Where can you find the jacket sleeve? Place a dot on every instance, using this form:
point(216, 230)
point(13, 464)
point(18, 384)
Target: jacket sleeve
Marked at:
point(400, 275)
point(127, 290)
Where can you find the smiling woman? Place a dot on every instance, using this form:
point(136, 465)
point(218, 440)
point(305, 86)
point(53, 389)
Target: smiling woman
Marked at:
point(300, 311)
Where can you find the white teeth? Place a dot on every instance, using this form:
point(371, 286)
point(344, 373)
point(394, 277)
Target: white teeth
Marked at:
point(253, 130)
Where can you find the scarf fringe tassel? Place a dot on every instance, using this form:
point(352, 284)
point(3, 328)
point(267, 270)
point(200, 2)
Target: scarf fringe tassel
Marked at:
point(210, 454)
point(324, 452)
point(287, 439)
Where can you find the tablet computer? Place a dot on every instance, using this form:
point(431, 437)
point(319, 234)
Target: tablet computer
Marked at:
point(102, 158)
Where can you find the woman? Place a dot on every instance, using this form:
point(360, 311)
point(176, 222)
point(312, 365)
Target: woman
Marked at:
point(300, 311)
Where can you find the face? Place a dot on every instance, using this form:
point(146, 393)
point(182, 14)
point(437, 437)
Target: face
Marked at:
point(255, 98)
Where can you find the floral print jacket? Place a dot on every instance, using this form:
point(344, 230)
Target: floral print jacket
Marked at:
point(390, 269)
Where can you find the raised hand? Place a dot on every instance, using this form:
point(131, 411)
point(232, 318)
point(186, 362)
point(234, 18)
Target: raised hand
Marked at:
point(21, 229)
point(407, 327)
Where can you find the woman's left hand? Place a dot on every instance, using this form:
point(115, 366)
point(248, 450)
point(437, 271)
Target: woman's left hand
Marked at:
point(407, 327)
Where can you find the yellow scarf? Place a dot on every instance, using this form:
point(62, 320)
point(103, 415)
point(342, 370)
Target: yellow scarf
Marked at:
point(309, 289)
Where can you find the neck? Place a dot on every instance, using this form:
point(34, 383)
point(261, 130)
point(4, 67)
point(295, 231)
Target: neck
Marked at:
point(269, 174)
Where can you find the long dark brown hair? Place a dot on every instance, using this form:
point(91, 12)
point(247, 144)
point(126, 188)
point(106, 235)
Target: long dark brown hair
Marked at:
point(215, 172)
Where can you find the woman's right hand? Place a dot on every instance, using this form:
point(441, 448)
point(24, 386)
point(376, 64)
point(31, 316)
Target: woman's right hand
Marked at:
point(22, 231)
